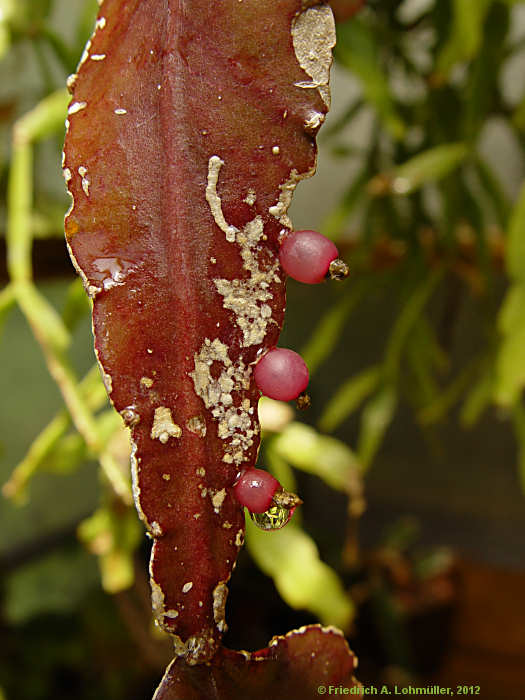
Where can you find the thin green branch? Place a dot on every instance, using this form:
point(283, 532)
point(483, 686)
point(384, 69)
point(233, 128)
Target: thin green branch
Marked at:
point(7, 299)
point(94, 394)
point(405, 322)
point(19, 200)
point(45, 119)
point(43, 63)
point(441, 406)
point(326, 334)
point(47, 326)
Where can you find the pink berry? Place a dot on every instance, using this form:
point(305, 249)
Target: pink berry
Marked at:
point(255, 489)
point(281, 374)
point(306, 256)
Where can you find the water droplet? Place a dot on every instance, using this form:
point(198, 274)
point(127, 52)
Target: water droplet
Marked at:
point(338, 270)
point(303, 401)
point(274, 518)
point(112, 271)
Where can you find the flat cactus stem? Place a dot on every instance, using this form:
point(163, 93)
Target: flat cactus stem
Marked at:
point(191, 123)
point(305, 663)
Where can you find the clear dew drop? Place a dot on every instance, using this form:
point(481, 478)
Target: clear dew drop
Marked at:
point(274, 518)
point(111, 271)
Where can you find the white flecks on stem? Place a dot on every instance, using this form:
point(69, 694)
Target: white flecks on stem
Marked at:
point(197, 426)
point(130, 416)
point(82, 171)
point(287, 188)
point(163, 426)
point(234, 423)
point(313, 36)
point(307, 84)
point(157, 599)
point(85, 53)
point(314, 121)
point(91, 289)
point(217, 499)
point(156, 529)
point(245, 297)
point(214, 165)
point(107, 381)
point(220, 595)
point(120, 111)
point(171, 614)
point(70, 82)
point(76, 107)
point(135, 488)
point(250, 198)
point(195, 649)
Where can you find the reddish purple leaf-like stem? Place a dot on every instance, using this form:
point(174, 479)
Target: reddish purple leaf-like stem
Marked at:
point(190, 125)
point(304, 664)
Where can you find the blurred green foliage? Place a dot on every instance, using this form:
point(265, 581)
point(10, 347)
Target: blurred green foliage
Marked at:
point(427, 215)
point(430, 209)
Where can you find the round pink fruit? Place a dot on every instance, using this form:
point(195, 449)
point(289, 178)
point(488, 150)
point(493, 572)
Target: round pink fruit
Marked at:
point(255, 489)
point(281, 374)
point(306, 256)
